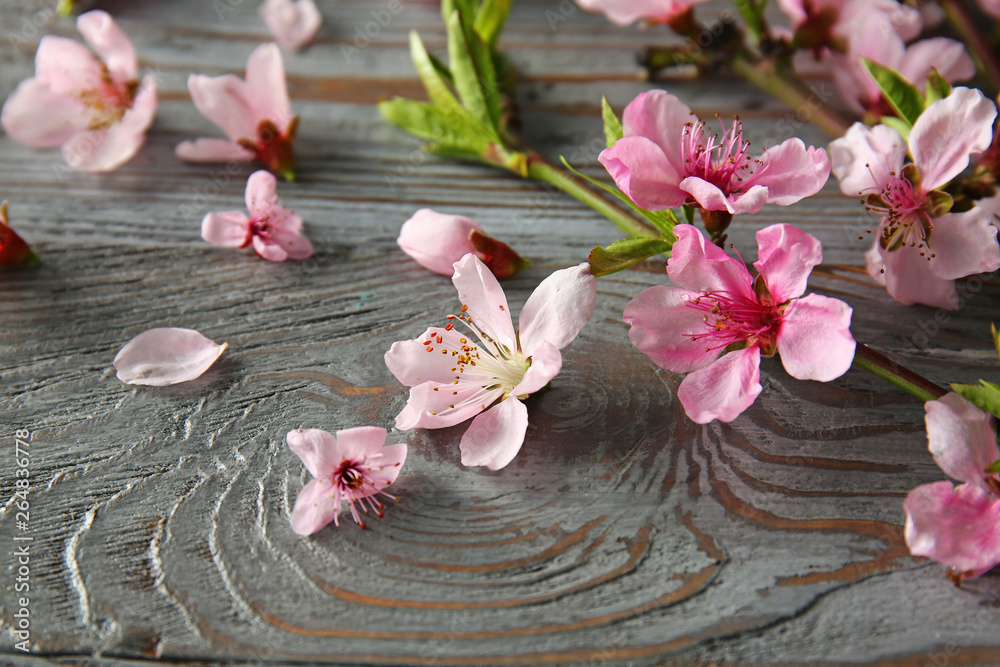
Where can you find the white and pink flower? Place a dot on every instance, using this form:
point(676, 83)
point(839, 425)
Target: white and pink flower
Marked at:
point(274, 231)
point(958, 526)
point(352, 466)
point(668, 158)
point(455, 376)
point(718, 321)
point(921, 247)
point(255, 114)
point(94, 107)
point(293, 23)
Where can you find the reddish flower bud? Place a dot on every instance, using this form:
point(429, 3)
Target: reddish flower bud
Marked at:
point(13, 249)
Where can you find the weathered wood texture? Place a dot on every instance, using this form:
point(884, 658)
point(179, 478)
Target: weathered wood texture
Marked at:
point(621, 534)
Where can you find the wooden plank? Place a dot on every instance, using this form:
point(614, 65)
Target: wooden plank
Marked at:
point(622, 533)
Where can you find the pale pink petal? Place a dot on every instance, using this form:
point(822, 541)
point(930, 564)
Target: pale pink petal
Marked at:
point(37, 116)
point(791, 172)
point(267, 91)
point(700, 266)
point(959, 527)
point(111, 44)
point(261, 193)
point(965, 243)
point(909, 279)
point(874, 264)
point(229, 229)
point(212, 150)
point(786, 256)
point(360, 442)
point(314, 508)
point(663, 327)
point(558, 309)
point(293, 245)
point(889, 17)
point(412, 363)
point(272, 252)
point(436, 241)
point(815, 341)
point(487, 305)
point(164, 356)
point(864, 157)
point(495, 437)
point(626, 12)
point(856, 85)
point(293, 24)
point(661, 118)
point(947, 132)
point(106, 150)
point(66, 66)
point(430, 404)
point(317, 449)
point(961, 437)
point(224, 101)
point(947, 56)
point(546, 362)
point(991, 7)
point(642, 171)
point(711, 198)
point(385, 466)
point(723, 389)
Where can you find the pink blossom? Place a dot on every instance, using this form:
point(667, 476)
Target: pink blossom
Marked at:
point(293, 23)
point(453, 378)
point(958, 526)
point(717, 308)
point(843, 24)
point(353, 466)
point(921, 247)
point(914, 62)
point(255, 114)
point(626, 12)
point(668, 158)
point(274, 231)
point(436, 241)
point(94, 107)
point(165, 356)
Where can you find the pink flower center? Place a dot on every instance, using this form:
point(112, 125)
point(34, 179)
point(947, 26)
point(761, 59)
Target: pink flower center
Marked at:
point(722, 161)
point(351, 482)
point(109, 101)
point(733, 318)
point(907, 220)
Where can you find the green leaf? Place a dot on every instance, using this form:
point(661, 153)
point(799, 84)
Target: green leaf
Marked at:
point(466, 7)
point(612, 126)
point(937, 87)
point(424, 120)
point(902, 95)
point(490, 20)
point(465, 75)
point(897, 124)
point(688, 214)
point(986, 395)
point(996, 336)
point(993, 468)
point(753, 16)
point(434, 83)
point(485, 68)
point(663, 221)
point(624, 253)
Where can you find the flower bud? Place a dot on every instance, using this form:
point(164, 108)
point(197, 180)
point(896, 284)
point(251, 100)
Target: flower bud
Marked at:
point(13, 249)
point(436, 241)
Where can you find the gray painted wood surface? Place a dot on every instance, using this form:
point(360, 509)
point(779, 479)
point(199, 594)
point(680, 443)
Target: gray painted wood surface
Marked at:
point(621, 534)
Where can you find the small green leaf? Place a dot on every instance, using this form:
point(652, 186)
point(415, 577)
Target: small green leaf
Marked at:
point(427, 121)
point(937, 87)
point(993, 468)
point(466, 7)
point(902, 95)
point(437, 88)
point(490, 20)
point(996, 337)
point(465, 75)
point(986, 395)
point(753, 16)
point(612, 126)
point(897, 124)
point(624, 253)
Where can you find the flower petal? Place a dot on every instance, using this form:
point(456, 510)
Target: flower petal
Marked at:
point(966, 243)
point(786, 256)
point(66, 66)
point(267, 91)
point(700, 266)
point(791, 172)
point(558, 309)
point(292, 244)
point(948, 132)
point(37, 116)
point(947, 56)
point(293, 24)
point(724, 389)
point(961, 437)
point(212, 150)
point(479, 291)
point(661, 118)
point(412, 363)
point(956, 526)
point(495, 437)
point(314, 508)
point(909, 279)
point(436, 241)
point(815, 340)
point(318, 450)
point(224, 101)
point(864, 157)
point(165, 356)
point(261, 193)
point(663, 328)
point(642, 171)
point(229, 228)
point(546, 362)
point(111, 44)
point(439, 405)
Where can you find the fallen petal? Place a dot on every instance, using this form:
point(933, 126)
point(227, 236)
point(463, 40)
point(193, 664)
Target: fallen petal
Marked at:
point(166, 356)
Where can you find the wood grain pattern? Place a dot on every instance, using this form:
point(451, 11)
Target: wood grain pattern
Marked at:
point(622, 534)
